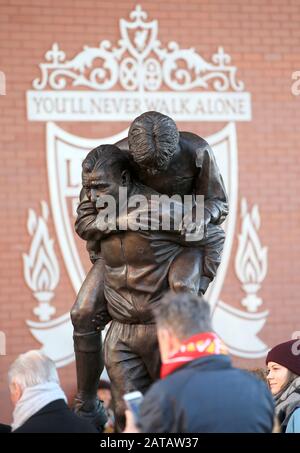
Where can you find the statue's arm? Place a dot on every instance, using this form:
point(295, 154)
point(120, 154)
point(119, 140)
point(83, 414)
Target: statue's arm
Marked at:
point(209, 183)
point(85, 224)
point(180, 229)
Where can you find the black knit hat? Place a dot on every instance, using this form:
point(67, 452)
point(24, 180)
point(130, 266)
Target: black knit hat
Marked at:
point(104, 385)
point(286, 354)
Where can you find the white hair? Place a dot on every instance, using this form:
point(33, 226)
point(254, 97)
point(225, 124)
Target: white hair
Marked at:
point(32, 368)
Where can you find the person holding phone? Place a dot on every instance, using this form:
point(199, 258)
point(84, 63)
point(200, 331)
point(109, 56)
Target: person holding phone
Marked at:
point(199, 390)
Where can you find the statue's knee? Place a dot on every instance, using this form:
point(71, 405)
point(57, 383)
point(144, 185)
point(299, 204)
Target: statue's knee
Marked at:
point(179, 286)
point(74, 315)
point(82, 318)
point(89, 318)
point(176, 286)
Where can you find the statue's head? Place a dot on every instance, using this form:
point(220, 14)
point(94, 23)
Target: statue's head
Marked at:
point(104, 170)
point(153, 139)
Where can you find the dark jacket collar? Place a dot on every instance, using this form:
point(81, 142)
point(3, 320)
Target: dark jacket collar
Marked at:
point(54, 406)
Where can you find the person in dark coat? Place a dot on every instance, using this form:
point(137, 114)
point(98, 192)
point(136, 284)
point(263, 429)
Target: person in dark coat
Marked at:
point(4, 428)
point(40, 405)
point(56, 417)
point(199, 391)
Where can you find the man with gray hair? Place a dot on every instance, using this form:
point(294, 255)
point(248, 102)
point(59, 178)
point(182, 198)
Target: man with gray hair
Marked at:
point(39, 402)
point(199, 391)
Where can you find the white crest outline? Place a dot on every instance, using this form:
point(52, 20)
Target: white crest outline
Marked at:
point(56, 70)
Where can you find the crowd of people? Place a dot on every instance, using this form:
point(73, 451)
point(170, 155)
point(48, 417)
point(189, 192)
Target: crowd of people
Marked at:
point(199, 390)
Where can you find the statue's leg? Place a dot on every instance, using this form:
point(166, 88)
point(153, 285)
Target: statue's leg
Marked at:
point(89, 316)
point(186, 269)
point(212, 258)
point(148, 350)
point(126, 347)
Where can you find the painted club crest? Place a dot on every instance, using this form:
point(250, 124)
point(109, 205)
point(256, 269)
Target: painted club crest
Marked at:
point(139, 35)
point(181, 84)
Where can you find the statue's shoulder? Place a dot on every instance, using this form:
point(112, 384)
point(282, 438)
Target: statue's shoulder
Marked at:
point(192, 141)
point(194, 145)
point(123, 144)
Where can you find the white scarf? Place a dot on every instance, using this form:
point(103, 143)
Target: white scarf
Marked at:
point(33, 399)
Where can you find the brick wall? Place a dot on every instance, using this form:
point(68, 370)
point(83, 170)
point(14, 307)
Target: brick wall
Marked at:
point(263, 38)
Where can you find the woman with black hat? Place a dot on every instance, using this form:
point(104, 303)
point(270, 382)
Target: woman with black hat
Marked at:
point(283, 362)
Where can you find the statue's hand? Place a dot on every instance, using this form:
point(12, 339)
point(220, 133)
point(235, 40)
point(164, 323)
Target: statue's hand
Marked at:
point(195, 231)
point(105, 223)
point(207, 219)
point(144, 217)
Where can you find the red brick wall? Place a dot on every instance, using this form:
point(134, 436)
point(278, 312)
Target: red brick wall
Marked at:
point(263, 38)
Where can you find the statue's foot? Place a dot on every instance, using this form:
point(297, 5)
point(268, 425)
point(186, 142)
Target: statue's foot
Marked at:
point(204, 284)
point(92, 411)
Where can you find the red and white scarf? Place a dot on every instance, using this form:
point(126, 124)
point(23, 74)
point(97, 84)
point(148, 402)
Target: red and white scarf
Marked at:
point(200, 345)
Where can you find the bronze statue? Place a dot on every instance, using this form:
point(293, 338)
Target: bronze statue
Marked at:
point(133, 269)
